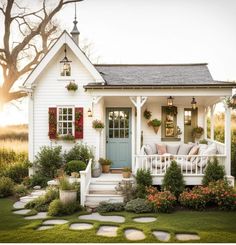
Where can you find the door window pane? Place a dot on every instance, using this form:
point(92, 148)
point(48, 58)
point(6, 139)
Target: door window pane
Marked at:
point(188, 117)
point(126, 133)
point(116, 133)
point(111, 134)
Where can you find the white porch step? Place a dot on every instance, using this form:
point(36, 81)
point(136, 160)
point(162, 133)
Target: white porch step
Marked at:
point(93, 200)
point(102, 186)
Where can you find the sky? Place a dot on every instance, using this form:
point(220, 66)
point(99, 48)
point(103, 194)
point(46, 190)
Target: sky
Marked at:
point(152, 31)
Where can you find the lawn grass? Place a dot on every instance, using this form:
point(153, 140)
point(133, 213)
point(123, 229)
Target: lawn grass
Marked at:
point(212, 226)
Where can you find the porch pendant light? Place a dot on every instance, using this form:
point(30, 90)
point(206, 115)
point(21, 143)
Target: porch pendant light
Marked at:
point(170, 101)
point(194, 104)
point(90, 113)
point(66, 69)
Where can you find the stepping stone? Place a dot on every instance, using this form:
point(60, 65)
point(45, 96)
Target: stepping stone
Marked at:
point(53, 182)
point(19, 205)
point(134, 235)
point(27, 199)
point(98, 217)
point(45, 227)
point(55, 222)
point(81, 226)
point(145, 219)
point(162, 235)
point(108, 231)
point(187, 237)
point(38, 193)
point(22, 211)
point(37, 187)
point(39, 215)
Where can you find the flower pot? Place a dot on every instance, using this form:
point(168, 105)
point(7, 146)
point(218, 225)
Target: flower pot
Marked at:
point(105, 168)
point(156, 128)
point(68, 196)
point(96, 172)
point(149, 123)
point(126, 174)
point(99, 129)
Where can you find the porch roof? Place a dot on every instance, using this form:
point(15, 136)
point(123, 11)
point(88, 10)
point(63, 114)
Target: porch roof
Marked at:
point(154, 75)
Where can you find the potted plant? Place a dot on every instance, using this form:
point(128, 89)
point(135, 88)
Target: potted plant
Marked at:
point(98, 125)
point(105, 163)
point(72, 86)
point(155, 123)
point(198, 132)
point(67, 137)
point(147, 114)
point(126, 172)
point(67, 190)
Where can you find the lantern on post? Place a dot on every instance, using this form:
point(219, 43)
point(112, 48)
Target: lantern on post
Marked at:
point(66, 68)
point(194, 104)
point(170, 101)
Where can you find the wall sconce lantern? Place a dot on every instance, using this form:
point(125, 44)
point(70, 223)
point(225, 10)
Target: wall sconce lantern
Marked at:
point(66, 69)
point(194, 104)
point(90, 113)
point(170, 101)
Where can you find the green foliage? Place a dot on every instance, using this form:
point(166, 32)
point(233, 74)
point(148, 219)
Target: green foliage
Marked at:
point(10, 156)
point(65, 185)
point(17, 171)
point(144, 180)
point(127, 190)
point(162, 201)
point(155, 123)
point(57, 208)
point(139, 206)
point(173, 180)
point(204, 141)
point(80, 152)
point(6, 186)
point(105, 207)
point(38, 179)
point(48, 160)
point(214, 171)
point(41, 204)
point(103, 161)
point(75, 166)
point(20, 190)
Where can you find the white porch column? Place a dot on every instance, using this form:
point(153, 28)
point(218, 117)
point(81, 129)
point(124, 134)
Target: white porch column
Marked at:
point(205, 122)
point(138, 102)
point(212, 122)
point(228, 140)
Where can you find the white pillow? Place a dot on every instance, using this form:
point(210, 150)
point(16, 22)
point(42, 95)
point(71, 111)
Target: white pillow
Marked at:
point(148, 150)
point(202, 148)
point(211, 150)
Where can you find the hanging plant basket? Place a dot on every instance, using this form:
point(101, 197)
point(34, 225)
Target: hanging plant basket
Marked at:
point(156, 128)
point(98, 125)
point(72, 86)
point(149, 123)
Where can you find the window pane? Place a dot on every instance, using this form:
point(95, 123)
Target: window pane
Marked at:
point(60, 131)
point(64, 131)
point(126, 133)
point(116, 133)
point(64, 125)
point(64, 118)
point(60, 118)
point(116, 122)
point(70, 118)
point(70, 131)
point(187, 117)
point(110, 133)
point(122, 123)
point(127, 123)
point(64, 110)
point(122, 133)
point(69, 124)
point(69, 110)
point(60, 110)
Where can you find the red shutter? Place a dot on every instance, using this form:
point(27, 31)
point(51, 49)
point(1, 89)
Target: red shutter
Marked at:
point(79, 123)
point(52, 122)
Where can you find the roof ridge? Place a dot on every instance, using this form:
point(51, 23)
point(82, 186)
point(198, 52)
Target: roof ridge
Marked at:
point(177, 64)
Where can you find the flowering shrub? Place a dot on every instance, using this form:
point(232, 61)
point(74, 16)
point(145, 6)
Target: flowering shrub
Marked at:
point(163, 201)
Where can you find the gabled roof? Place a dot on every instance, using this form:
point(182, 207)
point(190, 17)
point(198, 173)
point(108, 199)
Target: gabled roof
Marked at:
point(64, 38)
point(156, 75)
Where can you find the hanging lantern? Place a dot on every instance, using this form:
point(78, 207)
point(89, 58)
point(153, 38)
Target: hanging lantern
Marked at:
point(90, 113)
point(170, 101)
point(233, 100)
point(194, 104)
point(66, 69)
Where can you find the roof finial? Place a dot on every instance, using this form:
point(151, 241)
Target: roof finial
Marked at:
point(75, 32)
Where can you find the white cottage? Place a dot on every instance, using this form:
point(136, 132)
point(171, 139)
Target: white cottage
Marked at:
point(177, 94)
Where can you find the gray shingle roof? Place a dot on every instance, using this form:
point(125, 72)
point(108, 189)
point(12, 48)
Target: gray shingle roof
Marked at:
point(156, 75)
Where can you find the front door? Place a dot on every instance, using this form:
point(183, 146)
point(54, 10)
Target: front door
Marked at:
point(190, 122)
point(118, 137)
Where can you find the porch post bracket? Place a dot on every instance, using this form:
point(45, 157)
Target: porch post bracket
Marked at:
point(133, 100)
point(96, 99)
point(143, 100)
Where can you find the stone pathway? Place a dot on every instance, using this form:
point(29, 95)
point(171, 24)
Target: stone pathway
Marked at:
point(19, 205)
point(22, 211)
point(187, 237)
point(55, 222)
point(134, 235)
point(81, 226)
point(45, 227)
point(39, 215)
point(108, 231)
point(162, 235)
point(145, 219)
point(98, 217)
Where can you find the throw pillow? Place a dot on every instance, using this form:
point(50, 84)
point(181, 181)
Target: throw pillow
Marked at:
point(193, 151)
point(184, 149)
point(172, 149)
point(161, 149)
point(148, 150)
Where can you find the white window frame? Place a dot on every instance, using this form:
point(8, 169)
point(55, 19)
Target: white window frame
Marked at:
point(63, 121)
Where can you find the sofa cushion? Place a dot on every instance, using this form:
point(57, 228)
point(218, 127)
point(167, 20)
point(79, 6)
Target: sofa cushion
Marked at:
point(184, 149)
point(161, 149)
point(154, 148)
point(211, 150)
point(172, 149)
point(202, 148)
point(193, 151)
point(148, 150)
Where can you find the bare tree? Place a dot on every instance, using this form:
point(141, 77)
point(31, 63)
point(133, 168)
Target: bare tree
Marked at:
point(28, 33)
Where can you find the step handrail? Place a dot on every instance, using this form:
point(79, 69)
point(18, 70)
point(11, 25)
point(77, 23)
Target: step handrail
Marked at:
point(85, 179)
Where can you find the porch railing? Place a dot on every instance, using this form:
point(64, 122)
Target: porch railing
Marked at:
point(219, 146)
point(189, 164)
point(85, 178)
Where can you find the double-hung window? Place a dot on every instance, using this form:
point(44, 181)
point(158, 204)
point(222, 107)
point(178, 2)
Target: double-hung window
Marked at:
point(65, 120)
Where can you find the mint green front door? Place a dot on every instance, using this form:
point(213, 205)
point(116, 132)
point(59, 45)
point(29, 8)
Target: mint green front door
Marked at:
point(118, 137)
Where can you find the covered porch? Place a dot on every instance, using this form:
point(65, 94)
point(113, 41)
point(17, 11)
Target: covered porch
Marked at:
point(140, 133)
